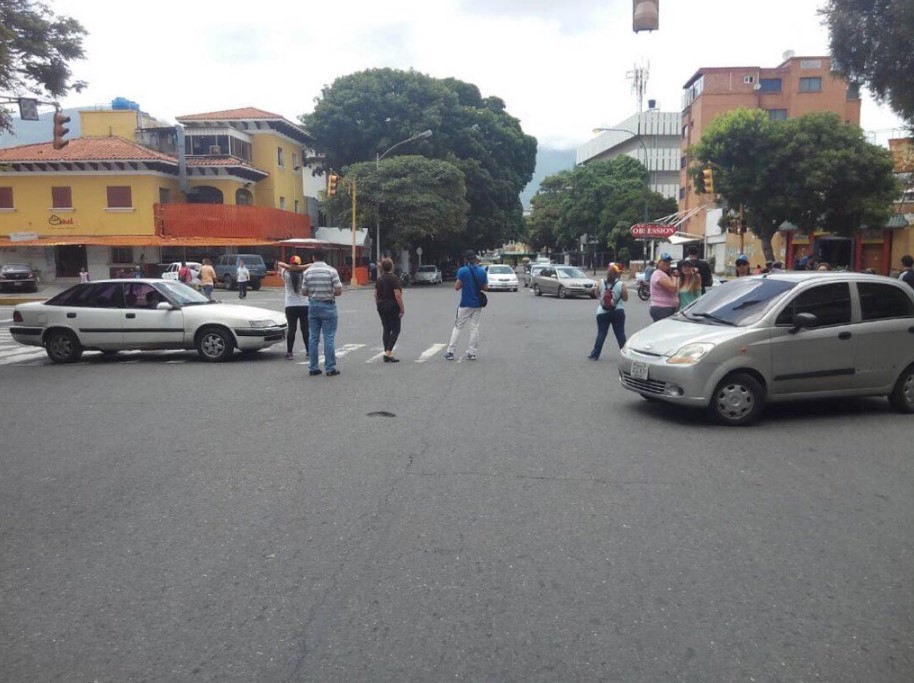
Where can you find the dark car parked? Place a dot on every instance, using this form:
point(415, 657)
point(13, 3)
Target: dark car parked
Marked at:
point(227, 265)
point(17, 277)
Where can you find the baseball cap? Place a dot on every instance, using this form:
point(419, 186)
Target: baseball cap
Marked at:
point(742, 259)
point(469, 254)
point(666, 257)
point(295, 260)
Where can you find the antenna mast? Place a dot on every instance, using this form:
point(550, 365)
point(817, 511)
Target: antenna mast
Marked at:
point(639, 77)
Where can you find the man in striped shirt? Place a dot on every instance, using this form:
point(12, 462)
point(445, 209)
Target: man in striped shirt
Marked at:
point(321, 283)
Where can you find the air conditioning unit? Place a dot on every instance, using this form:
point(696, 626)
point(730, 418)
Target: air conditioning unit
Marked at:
point(215, 149)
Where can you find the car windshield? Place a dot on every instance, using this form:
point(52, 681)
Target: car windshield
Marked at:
point(501, 270)
point(571, 272)
point(737, 303)
point(181, 294)
point(426, 269)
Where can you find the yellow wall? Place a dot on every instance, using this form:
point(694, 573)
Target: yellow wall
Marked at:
point(89, 216)
point(282, 181)
point(227, 186)
point(105, 123)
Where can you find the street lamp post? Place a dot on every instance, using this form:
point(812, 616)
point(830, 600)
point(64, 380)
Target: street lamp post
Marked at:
point(377, 166)
point(647, 177)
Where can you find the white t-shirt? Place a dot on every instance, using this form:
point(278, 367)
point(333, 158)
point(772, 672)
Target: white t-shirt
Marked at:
point(242, 274)
point(294, 298)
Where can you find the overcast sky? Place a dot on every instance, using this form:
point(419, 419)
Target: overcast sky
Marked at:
point(559, 66)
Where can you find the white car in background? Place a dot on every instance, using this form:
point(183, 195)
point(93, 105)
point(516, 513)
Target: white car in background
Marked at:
point(146, 314)
point(502, 277)
point(171, 273)
point(428, 275)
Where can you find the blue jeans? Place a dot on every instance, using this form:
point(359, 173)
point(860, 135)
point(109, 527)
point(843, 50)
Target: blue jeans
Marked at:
point(208, 291)
point(322, 318)
point(615, 318)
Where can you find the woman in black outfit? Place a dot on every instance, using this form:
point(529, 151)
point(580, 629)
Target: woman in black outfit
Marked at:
point(388, 296)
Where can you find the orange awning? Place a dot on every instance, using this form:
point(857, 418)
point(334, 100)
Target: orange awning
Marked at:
point(136, 241)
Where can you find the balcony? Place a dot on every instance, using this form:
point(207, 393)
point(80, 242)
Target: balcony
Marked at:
point(230, 221)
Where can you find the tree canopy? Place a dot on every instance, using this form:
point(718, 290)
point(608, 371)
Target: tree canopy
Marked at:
point(602, 199)
point(362, 115)
point(36, 48)
point(872, 42)
point(812, 171)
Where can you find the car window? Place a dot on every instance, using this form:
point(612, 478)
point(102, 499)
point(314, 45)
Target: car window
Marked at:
point(181, 294)
point(103, 295)
point(880, 301)
point(740, 302)
point(501, 270)
point(427, 269)
point(141, 295)
point(571, 272)
point(830, 303)
point(67, 296)
point(251, 259)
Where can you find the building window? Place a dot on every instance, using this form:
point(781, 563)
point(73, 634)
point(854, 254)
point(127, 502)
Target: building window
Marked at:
point(811, 84)
point(682, 193)
point(682, 162)
point(282, 203)
point(853, 91)
point(61, 198)
point(279, 157)
point(769, 85)
point(6, 198)
point(244, 197)
point(164, 195)
point(295, 165)
point(121, 255)
point(296, 206)
point(685, 132)
point(120, 197)
point(777, 114)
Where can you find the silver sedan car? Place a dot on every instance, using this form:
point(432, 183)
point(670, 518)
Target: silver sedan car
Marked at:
point(564, 281)
point(778, 337)
point(502, 277)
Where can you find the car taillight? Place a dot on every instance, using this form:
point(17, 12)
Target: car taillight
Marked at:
point(17, 317)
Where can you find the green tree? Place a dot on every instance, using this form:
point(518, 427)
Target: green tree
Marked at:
point(813, 171)
point(421, 201)
point(872, 42)
point(362, 115)
point(36, 48)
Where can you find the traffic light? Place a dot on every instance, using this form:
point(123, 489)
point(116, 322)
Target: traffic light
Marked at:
point(60, 130)
point(332, 180)
point(708, 177)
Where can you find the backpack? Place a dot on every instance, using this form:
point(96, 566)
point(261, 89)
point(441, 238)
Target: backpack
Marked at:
point(607, 302)
point(185, 275)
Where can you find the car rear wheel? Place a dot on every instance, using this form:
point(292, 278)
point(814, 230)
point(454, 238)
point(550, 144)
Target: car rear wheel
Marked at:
point(215, 345)
point(562, 293)
point(255, 285)
point(737, 400)
point(537, 290)
point(63, 346)
point(228, 282)
point(902, 396)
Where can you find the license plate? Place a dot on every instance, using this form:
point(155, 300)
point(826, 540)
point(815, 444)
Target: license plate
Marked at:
point(639, 370)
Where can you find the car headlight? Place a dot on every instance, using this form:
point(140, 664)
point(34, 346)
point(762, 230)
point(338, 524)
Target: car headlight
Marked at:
point(263, 323)
point(690, 354)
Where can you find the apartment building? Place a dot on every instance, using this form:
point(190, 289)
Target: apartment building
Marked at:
point(797, 86)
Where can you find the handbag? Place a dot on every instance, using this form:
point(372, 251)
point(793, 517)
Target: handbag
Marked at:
point(483, 299)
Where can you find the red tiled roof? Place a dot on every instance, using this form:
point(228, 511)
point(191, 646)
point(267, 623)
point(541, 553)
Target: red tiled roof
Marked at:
point(217, 161)
point(244, 113)
point(85, 149)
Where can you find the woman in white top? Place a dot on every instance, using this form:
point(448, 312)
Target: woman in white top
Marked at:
point(242, 277)
point(296, 305)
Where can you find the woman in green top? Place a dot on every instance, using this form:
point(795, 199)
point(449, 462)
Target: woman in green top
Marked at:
point(689, 284)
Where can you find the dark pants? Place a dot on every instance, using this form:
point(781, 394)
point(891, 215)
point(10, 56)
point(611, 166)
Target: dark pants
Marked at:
point(661, 312)
point(296, 316)
point(242, 289)
point(390, 324)
point(614, 318)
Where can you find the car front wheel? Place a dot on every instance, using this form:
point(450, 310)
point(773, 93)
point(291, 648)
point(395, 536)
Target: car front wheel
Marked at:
point(215, 345)
point(737, 400)
point(562, 293)
point(228, 282)
point(902, 396)
point(537, 290)
point(255, 285)
point(63, 346)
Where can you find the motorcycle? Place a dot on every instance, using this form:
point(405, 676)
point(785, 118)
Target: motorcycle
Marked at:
point(644, 290)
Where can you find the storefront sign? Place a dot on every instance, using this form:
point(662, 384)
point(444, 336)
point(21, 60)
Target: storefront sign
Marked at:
point(652, 231)
point(55, 220)
point(23, 236)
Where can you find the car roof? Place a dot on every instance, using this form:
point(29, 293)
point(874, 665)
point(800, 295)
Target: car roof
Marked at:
point(820, 275)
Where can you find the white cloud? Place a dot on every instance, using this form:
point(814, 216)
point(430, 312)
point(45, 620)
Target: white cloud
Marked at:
point(560, 67)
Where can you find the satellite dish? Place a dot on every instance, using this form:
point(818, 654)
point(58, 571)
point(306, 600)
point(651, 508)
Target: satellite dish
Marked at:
point(788, 54)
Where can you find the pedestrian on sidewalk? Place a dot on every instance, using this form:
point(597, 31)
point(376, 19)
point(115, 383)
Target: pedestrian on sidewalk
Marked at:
point(614, 316)
point(242, 277)
point(83, 275)
point(388, 296)
point(322, 284)
point(207, 278)
point(471, 282)
point(296, 303)
point(664, 290)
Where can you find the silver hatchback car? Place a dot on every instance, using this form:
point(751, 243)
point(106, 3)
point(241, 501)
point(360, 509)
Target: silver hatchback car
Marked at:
point(776, 337)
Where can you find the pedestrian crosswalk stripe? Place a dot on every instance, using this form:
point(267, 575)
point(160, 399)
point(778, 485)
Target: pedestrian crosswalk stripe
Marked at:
point(430, 352)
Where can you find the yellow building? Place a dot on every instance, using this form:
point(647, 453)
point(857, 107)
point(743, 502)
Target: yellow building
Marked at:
point(133, 190)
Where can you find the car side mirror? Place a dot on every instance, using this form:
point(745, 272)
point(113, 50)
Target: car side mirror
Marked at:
point(803, 320)
point(164, 306)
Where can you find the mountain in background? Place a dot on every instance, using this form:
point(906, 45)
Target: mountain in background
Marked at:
point(548, 162)
point(34, 132)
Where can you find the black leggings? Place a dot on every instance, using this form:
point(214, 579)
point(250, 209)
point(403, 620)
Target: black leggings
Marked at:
point(297, 314)
point(390, 322)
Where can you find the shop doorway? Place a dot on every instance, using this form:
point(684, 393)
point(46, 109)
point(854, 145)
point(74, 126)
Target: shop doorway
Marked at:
point(837, 252)
point(69, 259)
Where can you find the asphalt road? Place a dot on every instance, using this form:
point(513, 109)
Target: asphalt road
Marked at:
point(516, 518)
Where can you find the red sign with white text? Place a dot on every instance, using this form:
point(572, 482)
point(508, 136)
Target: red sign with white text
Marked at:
point(652, 231)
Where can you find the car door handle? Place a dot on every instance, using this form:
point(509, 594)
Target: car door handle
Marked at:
point(131, 316)
point(844, 335)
